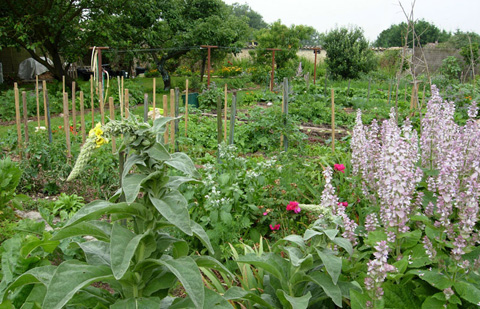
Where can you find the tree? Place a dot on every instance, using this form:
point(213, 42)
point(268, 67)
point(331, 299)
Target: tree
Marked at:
point(255, 20)
point(280, 36)
point(57, 29)
point(394, 36)
point(348, 53)
point(460, 39)
point(172, 28)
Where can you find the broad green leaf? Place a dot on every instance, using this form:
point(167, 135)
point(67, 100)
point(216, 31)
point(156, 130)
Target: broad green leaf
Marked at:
point(400, 296)
point(183, 163)
point(164, 242)
point(99, 229)
point(297, 239)
point(96, 252)
point(374, 237)
point(69, 278)
point(200, 233)
point(174, 182)
point(212, 300)
point(131, 161)
point(123, 245)
point(344, 243)
point(209, 262)
point(433, 303)
point(91, 297)
point(332, 290)
point(33, 243)
point(41, 275)
point(434, 277)
point(296, 256)
point(332, 263)
point(331, 233)
point(237, 293)
point(468, 291)
point(358, 300)
point(163, 281)
point(296, 302)
point(131, 185)
point(137, 303)
point(189, 275)
point(267, 261)
point(96, 209)
point(311, 233)
point(173, 207)
point(158, 152)
point(410, 239)
point(35, 297)
point(159, 123)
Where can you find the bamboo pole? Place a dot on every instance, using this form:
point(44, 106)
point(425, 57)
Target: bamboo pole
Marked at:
point(47, 111)
point(177, 113)
point(172, 111)
point(74, 109)
point(225, 118)
point(186, 107)
point(219, 120)
point(111, 108)
point(333, 121)
point(100, 99)
point(38, 102)
point(283, 110)
point(127, 111)
point(165, 114)
point(17, 118)
point(44, 90)
point(154, 97)
point(63, 84)
point(66, 125)
point(120, 95)
point(82, 117)
point(91, 101)
point(25, 117)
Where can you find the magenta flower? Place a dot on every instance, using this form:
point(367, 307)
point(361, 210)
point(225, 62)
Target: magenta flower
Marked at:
point(344, 204)
point(275, 228)
point(265, 213)
point(339, 167)
point(293, 206)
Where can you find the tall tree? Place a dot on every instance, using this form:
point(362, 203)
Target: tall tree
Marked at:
point(255, 20)
point(58, 29)
point(173, 28)
point(427, 32)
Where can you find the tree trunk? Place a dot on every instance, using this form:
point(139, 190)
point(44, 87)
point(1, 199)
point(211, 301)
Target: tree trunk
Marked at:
point(202, 69)
point(160, 63)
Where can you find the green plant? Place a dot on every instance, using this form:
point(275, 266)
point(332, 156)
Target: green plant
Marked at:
point(10, 174)
point(209, 96)
point(68, 203)
point(300, 272)
point(141, 263)
point(451, 68)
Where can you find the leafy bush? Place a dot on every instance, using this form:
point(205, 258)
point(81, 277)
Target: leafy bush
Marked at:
point(450, 68)
point(348, 53)
point(209, 96)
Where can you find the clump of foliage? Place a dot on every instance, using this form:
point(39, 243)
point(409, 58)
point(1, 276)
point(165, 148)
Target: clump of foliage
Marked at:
point(451, 68)
point(348, 53)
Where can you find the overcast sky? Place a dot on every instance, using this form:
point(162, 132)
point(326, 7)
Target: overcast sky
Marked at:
point(371, 15)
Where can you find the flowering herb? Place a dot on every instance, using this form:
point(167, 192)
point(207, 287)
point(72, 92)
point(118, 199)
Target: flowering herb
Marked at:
point(339, 167)
point(293, 206)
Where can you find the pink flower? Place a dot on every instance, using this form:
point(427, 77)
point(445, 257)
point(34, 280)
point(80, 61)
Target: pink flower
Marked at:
point(339, 167)
point(275, 228)
point(344, 204)
point(265, 213)
point(293, 206)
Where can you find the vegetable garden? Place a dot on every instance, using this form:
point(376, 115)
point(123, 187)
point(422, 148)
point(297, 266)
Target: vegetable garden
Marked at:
point(355, 194)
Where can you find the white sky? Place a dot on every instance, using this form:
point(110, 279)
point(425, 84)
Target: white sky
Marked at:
point(373, 16)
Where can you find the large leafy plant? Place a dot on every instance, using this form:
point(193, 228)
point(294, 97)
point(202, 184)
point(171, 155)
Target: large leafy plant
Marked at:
point(131, 253)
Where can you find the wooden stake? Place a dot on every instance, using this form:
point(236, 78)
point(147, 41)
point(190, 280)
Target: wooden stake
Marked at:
point(47, 111)
point(219, 120)
point(17, 118)
point(44, 90)
point(63, 84)
point(120, 95)
point(25, 117)
point(177, 113)
point(186, 107)
point(285, 110)
point(389, 92)
point(423, 95)
point(145, 107)
point(225, 118)
point(122, 104)
point(154, 97)
point(82, 117)
point(165, 114)
point(127, 111)
point(91, 101)
point(333, 121)
point(172, 111)
point(111, 107)
point(74, 109)
point(38, 102)
point(232, 117)
point(100, 99)
point(66, 125)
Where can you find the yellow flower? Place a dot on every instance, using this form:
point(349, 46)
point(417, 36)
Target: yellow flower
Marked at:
point(96, 131)
point(100, 141)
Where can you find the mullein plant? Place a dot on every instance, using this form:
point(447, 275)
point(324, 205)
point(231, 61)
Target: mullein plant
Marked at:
point(426, 189)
